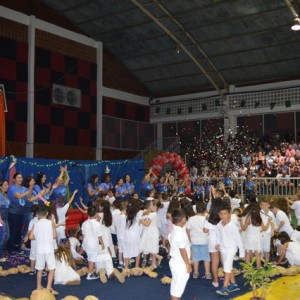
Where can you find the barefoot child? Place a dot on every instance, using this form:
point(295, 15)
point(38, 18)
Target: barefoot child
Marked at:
point(180, 255)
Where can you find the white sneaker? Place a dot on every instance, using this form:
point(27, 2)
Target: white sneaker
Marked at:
point(92, 276)
point(215, 284)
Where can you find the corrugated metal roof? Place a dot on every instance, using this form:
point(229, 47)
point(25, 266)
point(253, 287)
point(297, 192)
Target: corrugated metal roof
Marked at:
point(243, 42)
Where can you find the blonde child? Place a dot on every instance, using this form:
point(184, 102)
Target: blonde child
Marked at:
point(180, 255)
point(199, 240)
point(44, 232)
point(92, 236)
point(150, 237)
point(65, 273)
point(228, 242)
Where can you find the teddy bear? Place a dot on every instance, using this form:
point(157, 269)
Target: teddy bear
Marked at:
point(42, 295)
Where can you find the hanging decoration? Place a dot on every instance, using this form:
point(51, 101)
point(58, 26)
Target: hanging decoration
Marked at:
point(177, 164)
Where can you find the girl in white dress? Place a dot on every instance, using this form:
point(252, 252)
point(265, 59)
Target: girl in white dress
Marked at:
point(290, 250)
point(164, 226)
point(150, 238)
point(106, 223)
point(253, 227)
point(210, 227)
point(65, 266)
point(132, 236)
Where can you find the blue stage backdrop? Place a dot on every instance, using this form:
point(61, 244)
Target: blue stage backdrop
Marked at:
point(79, 171)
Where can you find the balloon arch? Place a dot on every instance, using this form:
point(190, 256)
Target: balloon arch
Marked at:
point(177, 164)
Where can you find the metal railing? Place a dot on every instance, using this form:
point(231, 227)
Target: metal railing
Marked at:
point(263, 186)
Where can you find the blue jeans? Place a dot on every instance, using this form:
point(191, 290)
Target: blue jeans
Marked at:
point(5, 236)
point(27, 217)
point(15, 223)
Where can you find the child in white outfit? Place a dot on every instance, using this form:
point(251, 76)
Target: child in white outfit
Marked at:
point(228, 242)
point(199, 240)
point(180, 251)
point(92, 236)
point(44, 232)
point(75, 245)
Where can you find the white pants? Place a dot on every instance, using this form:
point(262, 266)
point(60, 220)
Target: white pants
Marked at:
point(104, 261)
point(227, 258)
point(266, 242)
point(179, 278)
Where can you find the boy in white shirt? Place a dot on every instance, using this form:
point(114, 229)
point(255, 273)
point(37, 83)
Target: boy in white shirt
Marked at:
point(282, 221)
point(228, 242)
point(265, 214)
point(92, 236)
point(296, 207)
point(199, 240)
point(44, 232)
point(180, 255)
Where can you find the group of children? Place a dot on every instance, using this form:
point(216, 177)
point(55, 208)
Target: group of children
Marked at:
point(185, 229)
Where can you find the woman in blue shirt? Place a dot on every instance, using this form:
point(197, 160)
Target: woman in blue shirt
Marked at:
point(4, 204)
point(93, 188)
point(40, 185)
point(17, 194)
point(105, 185)
point(61, 183)
point(128, 186)
point(120, 190)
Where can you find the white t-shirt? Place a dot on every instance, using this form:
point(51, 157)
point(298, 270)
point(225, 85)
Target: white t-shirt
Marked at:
point(281, 216)
point(195, 224)
point(91, 230)
point(179, 240)
point(295, 236)
point(43, 234)
point(61, 213)
point(229, 238)
point(296, 207)
point(115, 213)
point(265, 219)
point(74, 243)
point(235, 203)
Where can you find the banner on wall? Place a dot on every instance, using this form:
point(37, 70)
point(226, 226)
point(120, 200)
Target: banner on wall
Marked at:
point(80, 171)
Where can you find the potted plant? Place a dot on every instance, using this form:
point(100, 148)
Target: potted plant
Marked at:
point(257, 278)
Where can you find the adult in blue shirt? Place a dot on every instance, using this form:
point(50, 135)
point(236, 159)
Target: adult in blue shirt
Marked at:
point(32, 199)
point(105, 185)
point(129, 186)
point(121, 191)
point(40, 185)
point(147, 183)
point(61, 183)
point(4, 204)
point(163, 185)
point(93, 188)
point(17, 194)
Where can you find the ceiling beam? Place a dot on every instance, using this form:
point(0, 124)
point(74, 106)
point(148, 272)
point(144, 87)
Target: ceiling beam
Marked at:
point(174, 38)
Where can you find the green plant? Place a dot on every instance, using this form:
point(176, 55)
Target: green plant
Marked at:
point(257, 278)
